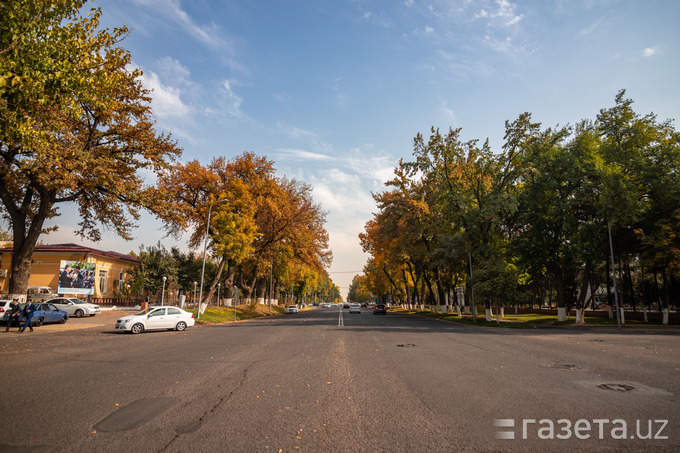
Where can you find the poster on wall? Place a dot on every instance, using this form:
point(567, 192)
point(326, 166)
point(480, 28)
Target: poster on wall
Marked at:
point(76, 277)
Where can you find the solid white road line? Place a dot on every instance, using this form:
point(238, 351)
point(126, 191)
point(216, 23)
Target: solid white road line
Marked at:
point(341, 322)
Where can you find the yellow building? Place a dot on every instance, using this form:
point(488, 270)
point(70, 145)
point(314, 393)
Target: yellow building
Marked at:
point(111, 269)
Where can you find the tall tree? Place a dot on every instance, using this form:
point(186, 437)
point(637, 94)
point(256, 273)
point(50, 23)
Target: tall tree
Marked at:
point(75, 126)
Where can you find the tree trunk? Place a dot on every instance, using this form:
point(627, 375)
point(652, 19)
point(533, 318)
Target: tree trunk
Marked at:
point(211, 290)
point(585, 281)
point(629, 277)
point(408, 291)
point(610, 301)
point(392, 283)
point(431, 296)
point(561, 293)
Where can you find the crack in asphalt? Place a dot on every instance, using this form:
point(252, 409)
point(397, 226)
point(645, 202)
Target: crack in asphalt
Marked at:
point(195, 425)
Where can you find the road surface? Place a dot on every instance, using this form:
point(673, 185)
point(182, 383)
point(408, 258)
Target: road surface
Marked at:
point(325, 380)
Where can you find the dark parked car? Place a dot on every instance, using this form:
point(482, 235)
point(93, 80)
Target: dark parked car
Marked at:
point(379, 309)
point(44, 313)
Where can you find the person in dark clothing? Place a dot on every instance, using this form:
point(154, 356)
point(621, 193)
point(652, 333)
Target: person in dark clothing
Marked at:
point(77, 278)
point(65, 277)
point(15, 311)
point(29, 310)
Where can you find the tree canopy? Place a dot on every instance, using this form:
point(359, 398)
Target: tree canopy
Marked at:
point(533, 215)
point(75, 126)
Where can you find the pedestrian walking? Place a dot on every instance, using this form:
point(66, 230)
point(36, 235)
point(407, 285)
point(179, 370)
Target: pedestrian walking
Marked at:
point(29, 310)
point(15, 311)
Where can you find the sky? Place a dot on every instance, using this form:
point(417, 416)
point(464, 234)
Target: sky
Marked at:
point(334, 91)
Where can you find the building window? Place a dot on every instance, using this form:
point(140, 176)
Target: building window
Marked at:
point(103, 281)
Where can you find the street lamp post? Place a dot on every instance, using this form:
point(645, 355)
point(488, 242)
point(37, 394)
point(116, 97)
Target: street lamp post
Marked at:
point(195, 283)
point(218, 294)
point(163, 292)
point(205, 241)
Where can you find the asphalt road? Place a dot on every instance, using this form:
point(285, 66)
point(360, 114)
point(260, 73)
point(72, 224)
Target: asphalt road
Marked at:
point(325, 380)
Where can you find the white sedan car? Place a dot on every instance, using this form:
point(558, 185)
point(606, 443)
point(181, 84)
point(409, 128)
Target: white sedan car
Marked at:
point(355, 308)
point(291, 309)
point(156, 318)
point(75, 307)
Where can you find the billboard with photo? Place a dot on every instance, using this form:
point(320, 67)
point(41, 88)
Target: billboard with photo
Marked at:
point(76, 277)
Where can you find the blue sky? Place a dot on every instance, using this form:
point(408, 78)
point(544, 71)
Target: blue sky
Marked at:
point(335, 91)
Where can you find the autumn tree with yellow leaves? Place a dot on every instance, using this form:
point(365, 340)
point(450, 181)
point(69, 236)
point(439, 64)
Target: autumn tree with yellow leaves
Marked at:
point(75, 126)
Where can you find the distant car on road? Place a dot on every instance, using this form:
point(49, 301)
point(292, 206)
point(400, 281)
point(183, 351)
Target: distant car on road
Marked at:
point(156, 318)
point(355, 308)
point(379, 309)
point(76, 307)
point(292, 309)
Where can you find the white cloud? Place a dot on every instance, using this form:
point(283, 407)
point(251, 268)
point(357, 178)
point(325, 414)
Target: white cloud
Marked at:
point(208, 34)
point(301, 154)
point(373, 167)
point(171, 69)
point(166, 100)
point(408, 3)
point(649, 52)
point(233, 101)
point(503, 14)
point(293, 132)
point(447, 112)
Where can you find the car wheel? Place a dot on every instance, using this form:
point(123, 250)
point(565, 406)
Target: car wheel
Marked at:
point(181, 326)
point(79, 313)
point(63, 320)
point(137, 328)
point(38, 322)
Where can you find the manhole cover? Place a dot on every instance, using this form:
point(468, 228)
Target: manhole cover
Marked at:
point(598, 341)
point(406, 345)
point(563, 366)
point(616, 387)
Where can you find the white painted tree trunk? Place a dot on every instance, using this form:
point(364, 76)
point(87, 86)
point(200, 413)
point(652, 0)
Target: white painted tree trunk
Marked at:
point(665, 316)
point(623, 316)
point(466, 310)
point(489, 314)
point(458, 308)
point(580, 316)
point(644, 311)
point(443, 309)
point(502, 312)
point(611, 311)
point(562, 314)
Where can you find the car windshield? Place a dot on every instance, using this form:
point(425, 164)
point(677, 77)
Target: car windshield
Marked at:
point(146, 311)
point(78, 301)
